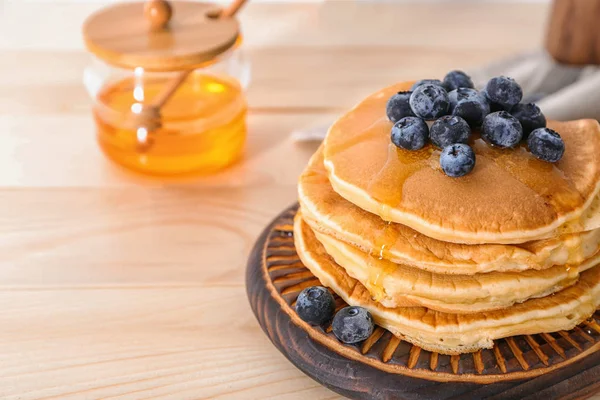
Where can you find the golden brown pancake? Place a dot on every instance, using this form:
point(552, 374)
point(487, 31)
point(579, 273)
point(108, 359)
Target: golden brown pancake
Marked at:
point(455, 333)
point(509, 197)
point(327, 212)
point(397, 285)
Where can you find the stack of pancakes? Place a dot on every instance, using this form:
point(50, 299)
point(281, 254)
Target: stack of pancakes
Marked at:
point(450, 264)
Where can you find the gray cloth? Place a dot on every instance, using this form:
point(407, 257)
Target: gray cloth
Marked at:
point(562, 92)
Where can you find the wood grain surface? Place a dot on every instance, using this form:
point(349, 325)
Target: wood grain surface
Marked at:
point(116, 286)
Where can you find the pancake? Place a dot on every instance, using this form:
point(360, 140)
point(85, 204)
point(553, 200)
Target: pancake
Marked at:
point(509, 197)
point(397, 285)
point(589, 220)
point(455, 333)
point(327, 212)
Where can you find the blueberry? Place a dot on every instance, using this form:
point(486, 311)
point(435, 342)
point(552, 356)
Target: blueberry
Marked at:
point(410, 133)
point(493, 106)
point(448, 130)
point(546, 144)
point(501, 129)
point(463, 94)
point(315, 305)
point(469, 104)
point(457, 79)
point(472, 111)
point(457, 160)
point(422, 82)
point(429, 102)
point(398, 106)
point(503, 91)
point(530, 116)
point(352, 325)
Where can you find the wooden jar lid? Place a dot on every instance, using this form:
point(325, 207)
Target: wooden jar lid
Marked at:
point(178, 35)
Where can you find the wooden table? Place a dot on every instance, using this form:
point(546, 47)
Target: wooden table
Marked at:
point(116, 286)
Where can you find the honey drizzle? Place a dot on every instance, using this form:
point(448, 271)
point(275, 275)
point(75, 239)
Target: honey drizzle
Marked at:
point(545, 179)
point(386, 238)
point(387, 186)
point(572, 272)
point(369, 132)
point(575, 249)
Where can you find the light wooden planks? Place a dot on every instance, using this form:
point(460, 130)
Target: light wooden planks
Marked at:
point(59, 150)
point(56, 25)
point(139, 343)
point(138, 236)
point(284, 78)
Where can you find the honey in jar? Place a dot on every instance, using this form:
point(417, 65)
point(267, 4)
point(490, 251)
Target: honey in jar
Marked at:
point(201, 126)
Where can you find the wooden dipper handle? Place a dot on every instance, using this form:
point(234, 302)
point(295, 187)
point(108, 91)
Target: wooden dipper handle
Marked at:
point(573, 35)
point(232, 9)
point(171, 88)
point(159, 13)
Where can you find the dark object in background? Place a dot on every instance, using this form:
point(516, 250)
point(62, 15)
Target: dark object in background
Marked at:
point(573, 32)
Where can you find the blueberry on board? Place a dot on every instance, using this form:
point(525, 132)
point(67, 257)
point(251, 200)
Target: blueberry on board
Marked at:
point(457, 160)
point(501, 129)
point(422, 82)
point(398, 106)
point(503, 91)
point(469, 104)
point(429, 102)
point(352, 325)
point(315, 305)
point(410, 133)
point(546, 144)
point(457, 79)
point(530, 116)
point(448, 130)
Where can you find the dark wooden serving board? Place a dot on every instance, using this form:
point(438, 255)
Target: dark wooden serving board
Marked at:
point(562, 365)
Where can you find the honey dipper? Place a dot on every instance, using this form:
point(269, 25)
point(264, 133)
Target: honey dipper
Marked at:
point(158, 13)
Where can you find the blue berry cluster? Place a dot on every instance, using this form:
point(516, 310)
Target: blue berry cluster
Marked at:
point(316, 306)
point(456, 108)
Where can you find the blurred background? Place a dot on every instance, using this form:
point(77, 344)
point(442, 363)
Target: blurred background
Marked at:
point(302, 50)
point(113, 284)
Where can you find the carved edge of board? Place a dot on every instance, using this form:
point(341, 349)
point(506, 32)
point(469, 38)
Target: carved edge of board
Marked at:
point(275, 276)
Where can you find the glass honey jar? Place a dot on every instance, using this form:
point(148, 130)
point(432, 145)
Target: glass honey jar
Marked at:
point(169, 96)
